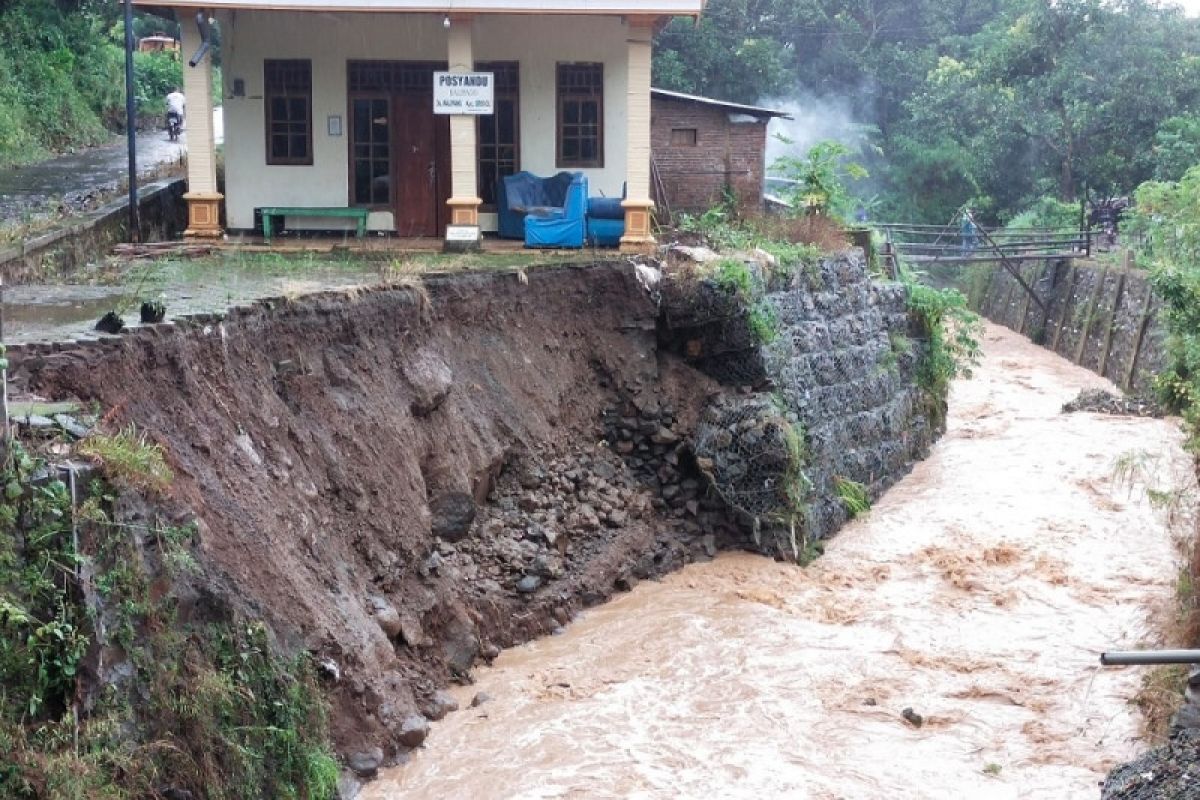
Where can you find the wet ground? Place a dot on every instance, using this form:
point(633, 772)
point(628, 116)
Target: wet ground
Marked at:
point(945, 646)
point(37, 313)
point(80, 181)
point(77, 181)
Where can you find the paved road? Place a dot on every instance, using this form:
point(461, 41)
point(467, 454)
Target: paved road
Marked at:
point(81, 180)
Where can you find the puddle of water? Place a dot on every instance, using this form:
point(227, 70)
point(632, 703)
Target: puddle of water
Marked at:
point(978, 593)
point(46, 313)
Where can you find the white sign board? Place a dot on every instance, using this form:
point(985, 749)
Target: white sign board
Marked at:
point(462, 233)
point(463, 92)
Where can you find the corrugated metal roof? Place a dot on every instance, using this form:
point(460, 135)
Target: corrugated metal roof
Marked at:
point(691, 8)
point(756, 111)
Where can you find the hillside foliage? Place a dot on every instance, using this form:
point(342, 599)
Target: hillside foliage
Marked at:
point(62, 76)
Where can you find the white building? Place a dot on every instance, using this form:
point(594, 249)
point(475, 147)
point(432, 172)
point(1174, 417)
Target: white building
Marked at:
point(329, 103)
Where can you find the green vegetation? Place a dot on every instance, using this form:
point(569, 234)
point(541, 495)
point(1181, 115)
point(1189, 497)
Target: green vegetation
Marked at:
point(1048, 212)
point(1168, 217)
point(62, 74)
point(736, 278)
point(129, 460)
point(822, 178)
point(993, 102)
point(192, 704)
point(854, 496)
point(950, 332)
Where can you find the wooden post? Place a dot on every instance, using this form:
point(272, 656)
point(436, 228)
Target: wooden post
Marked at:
point(1127, 384)
point(1091, 312)
point(1112, 316)
point(1062, 317)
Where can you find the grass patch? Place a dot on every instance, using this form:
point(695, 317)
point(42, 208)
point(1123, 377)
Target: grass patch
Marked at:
point(129, 459)
point(854, 496)
point(950, 332)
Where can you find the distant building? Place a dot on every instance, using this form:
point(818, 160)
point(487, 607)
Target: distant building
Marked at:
point(703, 147)
point(157, 43)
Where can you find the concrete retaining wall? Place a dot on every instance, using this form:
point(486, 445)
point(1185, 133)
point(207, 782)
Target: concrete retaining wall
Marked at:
point(61, 251)
point(1103, 318)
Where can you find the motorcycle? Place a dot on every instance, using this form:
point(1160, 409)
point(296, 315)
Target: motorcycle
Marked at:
point(174, 125)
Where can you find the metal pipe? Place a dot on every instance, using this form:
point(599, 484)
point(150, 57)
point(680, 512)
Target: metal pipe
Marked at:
point(205, 38)
point(1129, 658)
point(135, 224)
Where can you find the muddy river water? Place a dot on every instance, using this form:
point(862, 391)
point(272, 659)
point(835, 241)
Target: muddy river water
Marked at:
point(978, 593)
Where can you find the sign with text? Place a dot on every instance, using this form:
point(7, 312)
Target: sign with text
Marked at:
point(463, 92)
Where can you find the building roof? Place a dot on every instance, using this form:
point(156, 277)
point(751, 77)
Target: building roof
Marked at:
point(739, 108)
point(687, 8)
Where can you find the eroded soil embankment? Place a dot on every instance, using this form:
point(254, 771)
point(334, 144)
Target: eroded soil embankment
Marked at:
point(338, 448)
point(945, 646)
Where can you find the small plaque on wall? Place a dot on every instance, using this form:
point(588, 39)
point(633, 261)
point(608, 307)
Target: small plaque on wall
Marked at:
point(334, 125)
point(461, 238)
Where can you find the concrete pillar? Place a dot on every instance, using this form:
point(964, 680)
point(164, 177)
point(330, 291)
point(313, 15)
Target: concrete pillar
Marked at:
point(637, 204)
point(464, 167)
point(203, 199)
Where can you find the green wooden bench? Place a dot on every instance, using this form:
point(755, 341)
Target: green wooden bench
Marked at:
point(357, 214)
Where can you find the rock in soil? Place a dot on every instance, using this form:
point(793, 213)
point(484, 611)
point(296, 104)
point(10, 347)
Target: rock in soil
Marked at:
point(453, 514)
point(348, 786)
point(480, 698)
point(441, 704)
point(912, 718)
point(413, 730)
point(366, 762)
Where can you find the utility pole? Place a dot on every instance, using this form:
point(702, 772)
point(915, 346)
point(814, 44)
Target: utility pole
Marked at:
point(135, 226)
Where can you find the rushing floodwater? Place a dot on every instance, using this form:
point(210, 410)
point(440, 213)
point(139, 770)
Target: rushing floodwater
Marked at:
point(978, 593)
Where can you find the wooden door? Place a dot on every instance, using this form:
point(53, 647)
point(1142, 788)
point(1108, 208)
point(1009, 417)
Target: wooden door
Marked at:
point(422, 164)
point(416, 166)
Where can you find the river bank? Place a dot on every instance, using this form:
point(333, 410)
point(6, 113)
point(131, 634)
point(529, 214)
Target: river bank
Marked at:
point(945, 646)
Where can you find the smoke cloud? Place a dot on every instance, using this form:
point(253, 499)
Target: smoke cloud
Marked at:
point(814, 119)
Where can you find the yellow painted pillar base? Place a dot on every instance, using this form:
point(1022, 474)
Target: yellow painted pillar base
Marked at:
point(464, 210)
point(462, 234)
point(638, 237)
point(204, 215)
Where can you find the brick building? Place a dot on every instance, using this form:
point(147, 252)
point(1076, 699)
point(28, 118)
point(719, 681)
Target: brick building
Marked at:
point(700, 146)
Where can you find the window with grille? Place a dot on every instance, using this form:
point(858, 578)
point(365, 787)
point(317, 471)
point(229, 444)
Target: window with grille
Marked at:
point(371, 151)
point(580, 115)
point(287, 93)
point(499, 133)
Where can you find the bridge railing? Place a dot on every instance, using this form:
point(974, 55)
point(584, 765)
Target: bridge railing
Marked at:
point(940, 242)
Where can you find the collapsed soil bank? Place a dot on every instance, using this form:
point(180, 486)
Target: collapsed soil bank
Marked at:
point(403, 480)
point(977, 594)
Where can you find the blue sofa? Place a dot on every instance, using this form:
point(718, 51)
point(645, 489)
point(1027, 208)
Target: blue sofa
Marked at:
point(565, 226)
point(605, 221)
point(516, 194)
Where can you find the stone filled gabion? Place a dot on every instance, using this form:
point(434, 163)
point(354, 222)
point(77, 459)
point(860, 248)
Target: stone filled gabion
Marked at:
point(751, 454)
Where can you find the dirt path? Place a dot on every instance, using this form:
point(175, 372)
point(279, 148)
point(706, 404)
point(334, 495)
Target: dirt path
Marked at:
point(978, 593)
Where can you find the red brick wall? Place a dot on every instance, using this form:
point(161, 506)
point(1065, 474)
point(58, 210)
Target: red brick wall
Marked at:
point(693, 177)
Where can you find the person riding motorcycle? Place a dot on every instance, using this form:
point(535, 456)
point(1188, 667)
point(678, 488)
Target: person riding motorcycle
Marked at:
point(176, 105)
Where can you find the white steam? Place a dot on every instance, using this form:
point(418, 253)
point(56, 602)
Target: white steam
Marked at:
point(814, 119)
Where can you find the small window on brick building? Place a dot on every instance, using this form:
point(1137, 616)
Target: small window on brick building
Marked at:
point(580, 115)
point(288, 98)
point(683, 137)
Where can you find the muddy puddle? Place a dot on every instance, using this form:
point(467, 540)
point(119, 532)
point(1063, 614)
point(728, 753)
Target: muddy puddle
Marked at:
point(977, 594)
point(37, 313)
